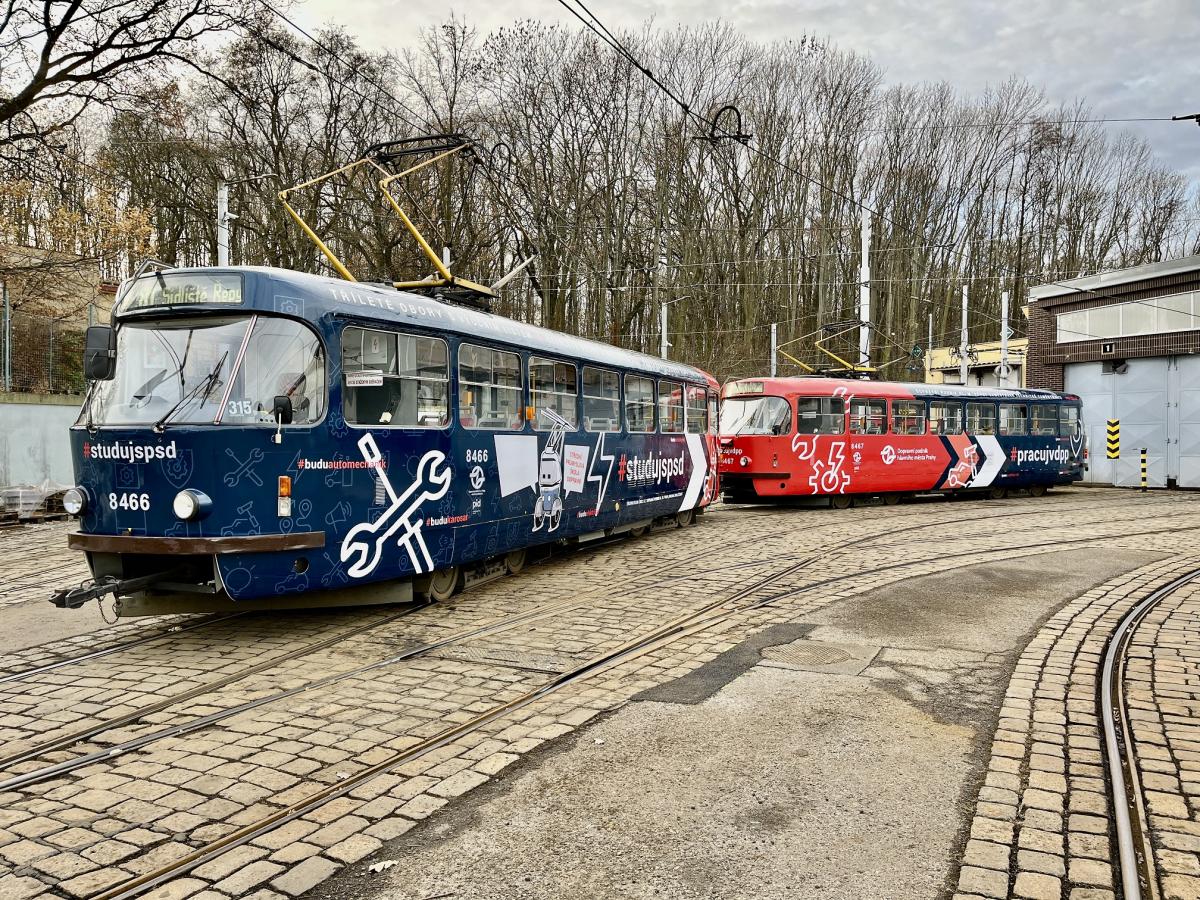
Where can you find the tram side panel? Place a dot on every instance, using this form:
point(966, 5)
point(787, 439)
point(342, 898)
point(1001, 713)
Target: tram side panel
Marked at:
point(795, 464)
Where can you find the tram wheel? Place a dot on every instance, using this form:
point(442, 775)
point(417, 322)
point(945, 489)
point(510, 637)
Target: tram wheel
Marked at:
point(640, 531)
point(997, 493)
point(685, 517)
point(841, 501)
point(891, 499)
point(514, 562)
point(444, 583)
point(1038, 490)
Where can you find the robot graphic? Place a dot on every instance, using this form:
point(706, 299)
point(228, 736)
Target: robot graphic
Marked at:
point(549, 503)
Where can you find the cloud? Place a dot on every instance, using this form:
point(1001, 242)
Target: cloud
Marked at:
point(1131, 59)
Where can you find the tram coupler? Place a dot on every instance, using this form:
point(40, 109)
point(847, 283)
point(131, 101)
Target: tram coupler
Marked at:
point(98, 588)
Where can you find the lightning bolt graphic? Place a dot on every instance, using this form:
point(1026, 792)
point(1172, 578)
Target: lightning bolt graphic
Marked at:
point(603, 479)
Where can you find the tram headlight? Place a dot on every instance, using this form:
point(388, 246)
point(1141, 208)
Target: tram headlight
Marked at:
point(191, 504)
point(74, 501)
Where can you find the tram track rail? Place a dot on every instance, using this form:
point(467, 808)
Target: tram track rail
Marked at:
point(506, 623)
point(201, 689)
point(66, 741)
point(691, 622)
point(743, 512)
point(172, 631)
point(638, 646)
point(1135, 853)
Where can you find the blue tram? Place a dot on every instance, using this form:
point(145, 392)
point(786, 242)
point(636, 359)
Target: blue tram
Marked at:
point(260, 437)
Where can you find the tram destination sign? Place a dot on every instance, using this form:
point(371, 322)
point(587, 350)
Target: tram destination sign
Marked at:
point(182, 289)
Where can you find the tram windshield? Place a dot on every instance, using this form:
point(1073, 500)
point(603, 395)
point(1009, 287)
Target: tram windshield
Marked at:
point(192, 371)
point(755, 415)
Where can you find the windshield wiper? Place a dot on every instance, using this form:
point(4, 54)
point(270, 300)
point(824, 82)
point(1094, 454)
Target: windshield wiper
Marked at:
point(206, 384)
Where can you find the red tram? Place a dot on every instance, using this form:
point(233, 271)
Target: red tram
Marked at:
point(792, 437)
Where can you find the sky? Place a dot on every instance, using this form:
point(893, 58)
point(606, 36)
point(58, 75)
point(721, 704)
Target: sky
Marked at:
point(1131, 59)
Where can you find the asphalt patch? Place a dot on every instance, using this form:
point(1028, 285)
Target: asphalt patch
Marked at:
point(704, 682)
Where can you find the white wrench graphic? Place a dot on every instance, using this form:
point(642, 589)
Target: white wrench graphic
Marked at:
point(366, 540)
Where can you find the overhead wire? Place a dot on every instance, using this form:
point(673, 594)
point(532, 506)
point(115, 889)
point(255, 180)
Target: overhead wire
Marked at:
point(714, 128)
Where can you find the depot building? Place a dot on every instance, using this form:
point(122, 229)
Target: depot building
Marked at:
point(1128, 343)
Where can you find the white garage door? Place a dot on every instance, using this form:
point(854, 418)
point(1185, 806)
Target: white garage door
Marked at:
point(1138, 398)
point(1096, 392)
point(1185, 411)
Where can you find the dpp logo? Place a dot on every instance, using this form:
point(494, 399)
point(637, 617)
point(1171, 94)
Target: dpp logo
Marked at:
point(888, 454)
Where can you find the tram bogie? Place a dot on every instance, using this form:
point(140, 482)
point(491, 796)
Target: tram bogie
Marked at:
point(260, 437)
point(785, 439)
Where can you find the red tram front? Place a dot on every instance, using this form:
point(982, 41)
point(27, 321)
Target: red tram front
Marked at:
point(793, 437)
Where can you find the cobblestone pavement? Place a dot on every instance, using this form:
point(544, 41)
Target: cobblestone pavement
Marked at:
point(83, 832)
point(1043, 822)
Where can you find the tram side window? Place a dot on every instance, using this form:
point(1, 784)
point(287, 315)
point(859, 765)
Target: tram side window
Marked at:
point(489, 388)
point(945, 417)
point(1043, 420)
point(1068, 421)
point(908, 417)
point(868, 416)
point(553, 387)
point(639, 404)
point(981, 418)
point(601, 400)
point(820, 415)
point(670, 407)
point(697, 411)
point(397, 380)
point(713, 413)
point(1013, 418)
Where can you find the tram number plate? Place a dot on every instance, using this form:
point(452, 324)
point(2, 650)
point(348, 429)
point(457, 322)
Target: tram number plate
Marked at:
point(129, 501)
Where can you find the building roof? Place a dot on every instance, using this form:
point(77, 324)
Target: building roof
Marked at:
point(1116, 277)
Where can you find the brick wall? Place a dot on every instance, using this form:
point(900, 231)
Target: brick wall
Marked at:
point(1047, 357)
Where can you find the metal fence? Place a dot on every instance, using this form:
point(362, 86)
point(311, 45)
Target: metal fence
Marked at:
point(41, 355)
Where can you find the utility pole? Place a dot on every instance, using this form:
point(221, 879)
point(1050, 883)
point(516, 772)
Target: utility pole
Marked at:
point(774, 344)
point(222, 222)
point(864, 293)
point(1004, 370)
point(962, 341)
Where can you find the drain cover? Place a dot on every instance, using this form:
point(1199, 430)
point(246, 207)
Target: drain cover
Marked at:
point(820, 656)
point(809, 653)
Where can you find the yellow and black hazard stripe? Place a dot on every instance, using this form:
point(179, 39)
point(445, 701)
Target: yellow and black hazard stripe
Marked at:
point(1114, 438)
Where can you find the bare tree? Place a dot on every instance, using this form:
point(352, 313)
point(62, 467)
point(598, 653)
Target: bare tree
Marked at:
point(62, 57)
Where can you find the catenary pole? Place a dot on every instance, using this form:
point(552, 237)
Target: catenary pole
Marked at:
point(864, 293)
point(1004, 339)
point(929, 348)
point(962, 341)
point(222, 222)
point(774, 344)
point(662, 330)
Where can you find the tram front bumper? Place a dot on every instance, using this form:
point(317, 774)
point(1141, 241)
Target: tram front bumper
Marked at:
point(144, 544)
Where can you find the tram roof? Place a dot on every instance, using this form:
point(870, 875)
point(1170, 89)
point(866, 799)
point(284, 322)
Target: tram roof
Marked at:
point(817, 386)
point(322, 296)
